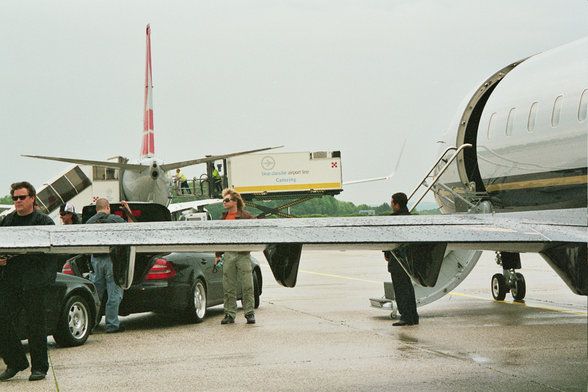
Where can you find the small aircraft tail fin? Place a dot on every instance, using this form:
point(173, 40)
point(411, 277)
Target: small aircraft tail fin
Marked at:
point(147, 147)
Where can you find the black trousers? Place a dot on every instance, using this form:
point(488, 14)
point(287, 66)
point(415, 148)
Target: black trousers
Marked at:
point(404, 292)
point(32, 301)
point(185, 187)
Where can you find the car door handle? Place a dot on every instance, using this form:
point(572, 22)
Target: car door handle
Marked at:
point(203, 262)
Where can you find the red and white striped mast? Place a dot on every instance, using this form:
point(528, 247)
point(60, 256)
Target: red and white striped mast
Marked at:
point(148, 147)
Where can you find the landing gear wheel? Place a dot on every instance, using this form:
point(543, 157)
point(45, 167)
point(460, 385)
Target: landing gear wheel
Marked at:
point(519, 288)
point(499, 287)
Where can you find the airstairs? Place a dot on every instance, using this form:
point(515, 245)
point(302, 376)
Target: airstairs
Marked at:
point(433, 176)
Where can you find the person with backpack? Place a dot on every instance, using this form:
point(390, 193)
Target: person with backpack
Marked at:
point(103, 275)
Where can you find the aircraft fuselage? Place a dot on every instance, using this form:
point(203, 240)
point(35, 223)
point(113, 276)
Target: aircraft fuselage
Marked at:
point(151, 184)
point(528, 127)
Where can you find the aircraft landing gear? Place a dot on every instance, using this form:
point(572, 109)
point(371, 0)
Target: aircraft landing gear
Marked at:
point(499, 287)
point(509, 280)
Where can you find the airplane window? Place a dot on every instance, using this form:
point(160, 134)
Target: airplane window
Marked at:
point(556, 111)
point(583, 109)
point(532, 117)
point(104, 173)
point(491, 122)
point(510, 121)
point(111, 173)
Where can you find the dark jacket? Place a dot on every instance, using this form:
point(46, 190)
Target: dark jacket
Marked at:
point(103, 217)
point(387, 253)
point(30, 270)
point(241, 214)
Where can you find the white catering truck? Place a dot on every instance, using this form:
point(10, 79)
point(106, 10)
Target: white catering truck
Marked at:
point(285, 173)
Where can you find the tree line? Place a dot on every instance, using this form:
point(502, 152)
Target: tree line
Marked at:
point(326, 206)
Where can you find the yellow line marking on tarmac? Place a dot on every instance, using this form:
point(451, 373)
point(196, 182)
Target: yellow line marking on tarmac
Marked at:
point(339, 276)
point(305, 298)
point(521, 304)
point(450, 293)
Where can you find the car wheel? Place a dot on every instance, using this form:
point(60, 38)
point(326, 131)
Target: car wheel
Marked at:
point(75, 324)
point(256, 290)
point(197, 306)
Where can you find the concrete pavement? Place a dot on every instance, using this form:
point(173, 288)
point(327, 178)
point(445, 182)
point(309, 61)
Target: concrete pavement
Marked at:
point(322, 335)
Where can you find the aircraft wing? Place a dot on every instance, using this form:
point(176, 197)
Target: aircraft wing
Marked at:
point(139, 167)
point(515, 232)
point(560, 235)
point(116, 165)
point(177, 165)
point(368, 180)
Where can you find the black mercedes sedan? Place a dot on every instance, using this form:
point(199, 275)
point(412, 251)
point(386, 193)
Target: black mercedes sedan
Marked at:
point(72, 310)
point(184, 283)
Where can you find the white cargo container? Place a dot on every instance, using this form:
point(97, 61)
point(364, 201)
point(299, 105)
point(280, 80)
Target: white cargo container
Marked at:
point(286, 173)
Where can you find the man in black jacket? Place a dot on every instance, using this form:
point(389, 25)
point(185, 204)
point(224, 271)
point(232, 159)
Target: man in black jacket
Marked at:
point(24, 285)
point(403, 288)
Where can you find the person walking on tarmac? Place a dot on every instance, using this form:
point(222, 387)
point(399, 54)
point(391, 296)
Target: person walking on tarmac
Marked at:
point(103, 275)
point(24, 284)
point(403, 288)
point(236, 264)
point(181, 178)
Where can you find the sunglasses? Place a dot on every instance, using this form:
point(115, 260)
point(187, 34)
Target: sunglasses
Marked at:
point(227, 200)
point(21, 197)
point(64, 213)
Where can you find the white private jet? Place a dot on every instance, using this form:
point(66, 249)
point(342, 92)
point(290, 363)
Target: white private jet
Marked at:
point(520, 188)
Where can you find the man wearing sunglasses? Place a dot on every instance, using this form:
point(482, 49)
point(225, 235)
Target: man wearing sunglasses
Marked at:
point(236, 264)
point(26, 279)
point(67, 213)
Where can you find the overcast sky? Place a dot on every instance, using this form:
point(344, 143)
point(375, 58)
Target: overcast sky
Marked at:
point(355, 76)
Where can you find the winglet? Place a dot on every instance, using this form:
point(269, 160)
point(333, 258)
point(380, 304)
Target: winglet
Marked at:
point(147, 147)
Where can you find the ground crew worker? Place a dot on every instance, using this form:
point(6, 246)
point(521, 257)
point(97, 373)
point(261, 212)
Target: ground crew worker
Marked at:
point(181, 178)
point(218, 187)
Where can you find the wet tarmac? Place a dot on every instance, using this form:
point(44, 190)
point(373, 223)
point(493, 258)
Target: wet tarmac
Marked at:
point(322, 335)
